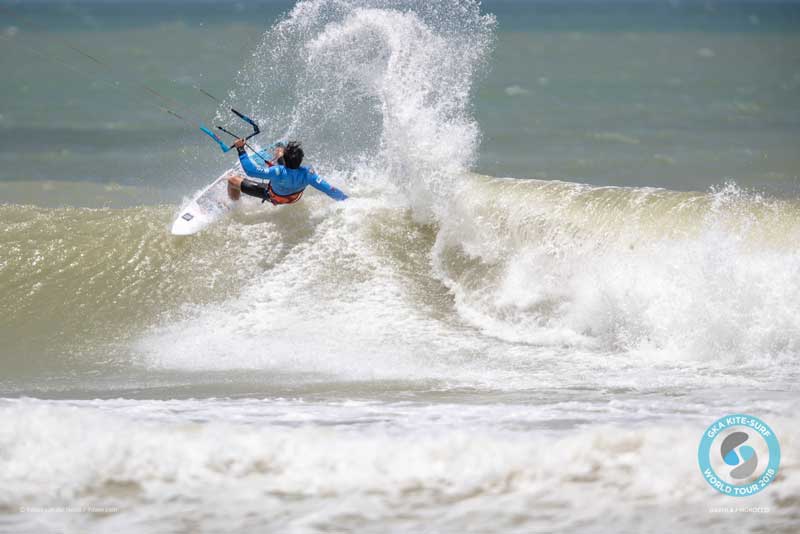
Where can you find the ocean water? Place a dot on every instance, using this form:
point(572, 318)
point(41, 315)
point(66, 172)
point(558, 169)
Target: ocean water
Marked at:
point(571, 246)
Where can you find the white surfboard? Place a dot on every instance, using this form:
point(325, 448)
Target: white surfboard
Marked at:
point(207, 206)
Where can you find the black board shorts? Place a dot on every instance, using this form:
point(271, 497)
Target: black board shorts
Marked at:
point(264, 191)
point(255, 189)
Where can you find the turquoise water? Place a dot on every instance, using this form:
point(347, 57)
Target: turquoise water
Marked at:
point(631, 93)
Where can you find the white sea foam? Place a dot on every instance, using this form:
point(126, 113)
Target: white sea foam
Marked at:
point(365, 468)
point(382, 87)
point(661, 274)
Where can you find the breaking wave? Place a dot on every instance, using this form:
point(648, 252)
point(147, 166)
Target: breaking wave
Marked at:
point(428, 265)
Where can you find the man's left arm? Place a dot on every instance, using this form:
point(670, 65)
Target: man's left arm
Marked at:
point(317, 182)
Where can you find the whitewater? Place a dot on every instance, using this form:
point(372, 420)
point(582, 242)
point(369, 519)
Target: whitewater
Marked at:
point(444, 352)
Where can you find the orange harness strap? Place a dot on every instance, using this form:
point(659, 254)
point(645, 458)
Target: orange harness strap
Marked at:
point(277, 199)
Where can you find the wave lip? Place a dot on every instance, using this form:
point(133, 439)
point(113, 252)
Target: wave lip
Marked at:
point(641, 270)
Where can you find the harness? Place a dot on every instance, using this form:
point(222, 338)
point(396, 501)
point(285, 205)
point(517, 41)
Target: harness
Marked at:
point(278, 200)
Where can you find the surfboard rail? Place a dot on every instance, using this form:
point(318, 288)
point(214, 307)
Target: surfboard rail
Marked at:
point(206, 207)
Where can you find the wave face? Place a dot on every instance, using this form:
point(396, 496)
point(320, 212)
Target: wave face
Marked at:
point(79, 284)
point(518, 269)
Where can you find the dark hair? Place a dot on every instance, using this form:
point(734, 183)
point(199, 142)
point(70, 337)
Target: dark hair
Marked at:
point(293, 155)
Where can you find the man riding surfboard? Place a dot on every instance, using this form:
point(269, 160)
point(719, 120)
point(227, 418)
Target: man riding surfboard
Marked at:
point(286, 178)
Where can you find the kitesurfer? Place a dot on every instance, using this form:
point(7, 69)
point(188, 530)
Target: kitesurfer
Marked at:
point(283, 179)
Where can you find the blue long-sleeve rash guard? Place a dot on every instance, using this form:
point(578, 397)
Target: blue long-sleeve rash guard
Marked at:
point(286, 181)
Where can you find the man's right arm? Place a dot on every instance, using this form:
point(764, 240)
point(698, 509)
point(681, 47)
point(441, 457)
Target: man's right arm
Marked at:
point(251, 169)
